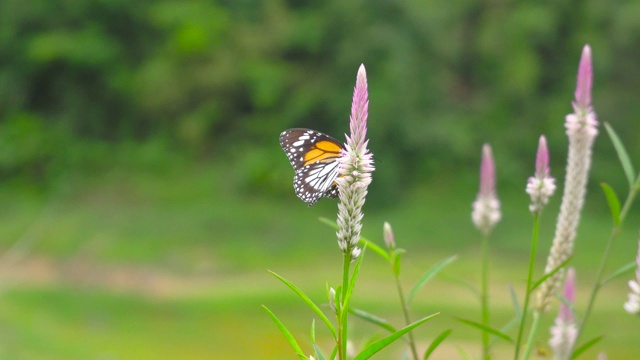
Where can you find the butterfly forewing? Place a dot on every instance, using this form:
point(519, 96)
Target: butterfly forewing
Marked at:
point(313, 156)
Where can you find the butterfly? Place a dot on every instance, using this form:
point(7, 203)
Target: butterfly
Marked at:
point(314, 157)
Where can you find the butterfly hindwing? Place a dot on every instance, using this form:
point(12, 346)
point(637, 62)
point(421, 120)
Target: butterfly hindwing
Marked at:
point(314, 157)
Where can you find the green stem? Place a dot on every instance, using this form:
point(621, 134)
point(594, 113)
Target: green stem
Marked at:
point(484, 300)
point(343, 311)
point(527, 295)
point(597, 285)
point(532, 335)
point(407, 318)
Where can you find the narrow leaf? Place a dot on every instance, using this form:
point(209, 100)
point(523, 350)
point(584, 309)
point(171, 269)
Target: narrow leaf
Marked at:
point(584, 347)
point(397, 256)
point(505, 329)
point(370, 350)
point(377, 249)
point(287, 334)
point(309, 303)
point(549, 274)
point(319, 355)
point(622, 154)
point(487, 329)
point(434, 344)
point(428, 275)
point(621, 271)
point(372, 319)
point(331, 223)
point(614, 202)
point(463, 283)
point(514, 301)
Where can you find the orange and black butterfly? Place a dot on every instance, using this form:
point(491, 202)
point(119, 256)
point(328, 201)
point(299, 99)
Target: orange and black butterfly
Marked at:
point(314, 157)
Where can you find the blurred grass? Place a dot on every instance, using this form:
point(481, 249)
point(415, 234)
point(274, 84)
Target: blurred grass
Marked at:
point(172, 264)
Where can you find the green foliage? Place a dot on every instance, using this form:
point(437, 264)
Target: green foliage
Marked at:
point(209, 76)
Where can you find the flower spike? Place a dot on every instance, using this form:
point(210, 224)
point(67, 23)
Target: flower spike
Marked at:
point(356, 165)
point(486, 208)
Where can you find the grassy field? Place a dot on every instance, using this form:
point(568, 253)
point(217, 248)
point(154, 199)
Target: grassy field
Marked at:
point(172, 265)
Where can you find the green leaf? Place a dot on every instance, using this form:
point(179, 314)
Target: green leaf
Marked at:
point(428, 275)
point(316, 349)
point(622, 154)
point(514, 301)
point(582, 348)
point(614, 202)
point(309, 303)
point(465, 284)
point(506, 328)
point(434, 344)
point(372, 319)
point(487, 329)
point(331, 223)
point(377, 249)
point(550, 274)
point(286, 333)
point(621, 271)
point(319, 355)
point(397, 256)
point(370, 350)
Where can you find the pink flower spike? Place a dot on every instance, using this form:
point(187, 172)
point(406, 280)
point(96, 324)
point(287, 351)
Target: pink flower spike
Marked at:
point(542, 159)
point(564, 331)
point(355, 166)
point(487, 172)
point(359, 110)
point(486, 208)
point(585, 79)
point(542, 185)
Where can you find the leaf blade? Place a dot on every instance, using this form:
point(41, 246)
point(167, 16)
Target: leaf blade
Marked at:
point(613, 201)
point(287, 334)
point(428, 275)
point(309, 303)
point(434, 344)
point(484, 328)
point(370, 350)
point(627, 166)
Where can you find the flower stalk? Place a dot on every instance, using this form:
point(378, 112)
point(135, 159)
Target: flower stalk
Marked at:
point(581, 128)
point(355, 167)
point(540, 188)
point(485, 215)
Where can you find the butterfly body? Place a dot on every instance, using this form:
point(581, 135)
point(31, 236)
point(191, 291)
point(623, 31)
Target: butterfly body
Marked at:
point(314, 157)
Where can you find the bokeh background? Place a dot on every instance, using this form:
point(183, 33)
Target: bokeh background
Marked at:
point(144, 194)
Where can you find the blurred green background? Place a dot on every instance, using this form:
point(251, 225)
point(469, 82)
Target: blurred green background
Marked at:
point(144, 193)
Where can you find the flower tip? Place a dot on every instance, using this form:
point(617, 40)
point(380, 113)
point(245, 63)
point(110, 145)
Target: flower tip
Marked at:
point(585, 79)
point(542, 158)
point(362, 75)
point(487, 171)
point(389, 238)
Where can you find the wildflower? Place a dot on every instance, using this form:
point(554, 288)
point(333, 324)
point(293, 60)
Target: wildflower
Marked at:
point(581, 130)
point(632, 306)
point(486, 208)
point(565, 331)
point(541, 186)
point(356, 165)
point(389, 238)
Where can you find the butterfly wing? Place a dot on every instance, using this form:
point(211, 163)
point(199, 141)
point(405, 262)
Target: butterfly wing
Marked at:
point(313, 156)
